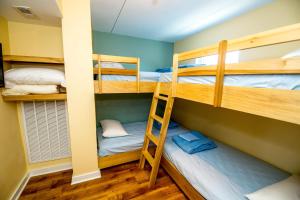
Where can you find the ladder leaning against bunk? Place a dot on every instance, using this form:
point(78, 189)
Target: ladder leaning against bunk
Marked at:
point(149, 136)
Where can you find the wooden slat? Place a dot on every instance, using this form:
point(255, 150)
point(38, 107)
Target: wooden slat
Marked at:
point(120, 59)
point(197, 53)
point(220, 73)
point(138, 76)
point(35, 97)
point(202, 93)
point(153, 138)
point(275, 36)
point(273, 103)
point(117, 159)
point(162, 98)
point(157, 118)
point(148, 157)
point(180, 180)
point(113, 71)
point(99, 74)
point(198, 71)
point(147, 87)
point(32, 59)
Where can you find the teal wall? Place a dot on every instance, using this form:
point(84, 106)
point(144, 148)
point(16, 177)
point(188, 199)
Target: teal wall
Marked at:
point(153, 54)
point(123, 107)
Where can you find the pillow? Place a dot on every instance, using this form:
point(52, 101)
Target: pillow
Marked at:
point(292, 54)
point(114, 65)
point(288, 189)
point(34, 76)
point(31, 89)
point(112, 128)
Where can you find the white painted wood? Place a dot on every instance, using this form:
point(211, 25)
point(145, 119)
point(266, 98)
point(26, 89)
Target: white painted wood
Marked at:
point(85, 177)
point(20, 187)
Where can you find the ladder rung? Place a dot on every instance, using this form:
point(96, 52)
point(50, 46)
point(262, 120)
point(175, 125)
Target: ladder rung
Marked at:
point(148, 157)
point(162, 97)
point(153, 138)
point(157, 118)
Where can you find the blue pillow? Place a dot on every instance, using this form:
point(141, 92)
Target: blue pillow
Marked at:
point(201, 143)
point(164, 70)
point(171, 125)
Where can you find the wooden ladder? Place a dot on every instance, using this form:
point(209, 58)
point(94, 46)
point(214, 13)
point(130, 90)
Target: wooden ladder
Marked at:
point(149, 136)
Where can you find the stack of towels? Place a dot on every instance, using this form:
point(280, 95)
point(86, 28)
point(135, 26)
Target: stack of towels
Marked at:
point(193, 142)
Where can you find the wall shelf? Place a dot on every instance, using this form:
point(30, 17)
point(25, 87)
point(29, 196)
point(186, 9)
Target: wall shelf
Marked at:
point(32, 59)
point(35, 97)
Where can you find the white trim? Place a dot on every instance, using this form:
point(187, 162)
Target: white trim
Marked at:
point(52, 169)
point(85, 177)
point(19, 189)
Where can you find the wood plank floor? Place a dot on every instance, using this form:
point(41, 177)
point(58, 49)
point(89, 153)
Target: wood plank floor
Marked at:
point(120, 182)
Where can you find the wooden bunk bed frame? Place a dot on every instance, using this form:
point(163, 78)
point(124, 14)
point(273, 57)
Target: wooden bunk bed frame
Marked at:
point(109, 87)
point(273, 103)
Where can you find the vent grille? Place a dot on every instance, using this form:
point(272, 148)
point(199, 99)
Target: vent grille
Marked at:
point(25, 12)
point(46, 130)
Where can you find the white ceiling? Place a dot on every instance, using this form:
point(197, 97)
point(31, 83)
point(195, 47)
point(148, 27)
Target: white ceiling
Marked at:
point(46, 10)
point(165, 20)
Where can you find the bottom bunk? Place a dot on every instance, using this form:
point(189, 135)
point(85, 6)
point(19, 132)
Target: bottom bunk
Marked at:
point(220, 173)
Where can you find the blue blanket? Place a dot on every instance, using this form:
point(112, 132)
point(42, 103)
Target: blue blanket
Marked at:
point(171, 125)
point(193, 142)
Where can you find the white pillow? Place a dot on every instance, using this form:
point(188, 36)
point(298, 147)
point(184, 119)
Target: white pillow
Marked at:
point(292, 54)
point(31, 89)
point(114, 65)
point(34, 76)
point(112, 128)
point(288, 189)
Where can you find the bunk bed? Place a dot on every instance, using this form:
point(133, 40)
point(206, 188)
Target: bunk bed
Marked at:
point(277, 103)
point(31, 61)
point(112, 80)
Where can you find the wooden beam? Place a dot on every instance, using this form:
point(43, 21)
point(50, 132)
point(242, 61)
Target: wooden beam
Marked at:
point(138, 76)
point(197, 53)
point(35, 97)
point(32, 59)
point(198, 71)
point(220, 73)
point(113, 71)
point(120, 59)
point(271, 37)
point(174, 74)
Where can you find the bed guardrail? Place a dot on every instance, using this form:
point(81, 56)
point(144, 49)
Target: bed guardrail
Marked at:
point(112, 71)
point(284, 101)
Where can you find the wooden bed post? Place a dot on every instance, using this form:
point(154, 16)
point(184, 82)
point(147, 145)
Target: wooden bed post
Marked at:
point(138, 75)
point(220, 73)
point(174, 75)
point(99, 74)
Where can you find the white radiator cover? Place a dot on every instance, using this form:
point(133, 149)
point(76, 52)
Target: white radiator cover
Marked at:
point(46, 130)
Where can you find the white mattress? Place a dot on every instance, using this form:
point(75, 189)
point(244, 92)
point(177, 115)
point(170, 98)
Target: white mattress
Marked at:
point(288, 82)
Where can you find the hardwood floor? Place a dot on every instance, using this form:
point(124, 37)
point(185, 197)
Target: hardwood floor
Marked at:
point(120, 182)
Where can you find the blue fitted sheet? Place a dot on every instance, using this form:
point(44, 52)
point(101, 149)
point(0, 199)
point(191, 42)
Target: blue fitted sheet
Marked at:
point(288, 82)
point(223, 173)
point(144, 76)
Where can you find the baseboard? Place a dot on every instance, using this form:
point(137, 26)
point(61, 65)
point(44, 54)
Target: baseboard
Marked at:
point(52, 169)
point(17, 193)
point(85, 177)
point(37, 172)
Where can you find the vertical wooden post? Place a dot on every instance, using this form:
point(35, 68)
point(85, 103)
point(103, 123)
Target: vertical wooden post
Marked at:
point(99, 75)
point(220, 73)
point(138, 75)
point(174, 75)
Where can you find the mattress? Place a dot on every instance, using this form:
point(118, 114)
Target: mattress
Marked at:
point(288, 82)
point(144, 76)
point(223, 173)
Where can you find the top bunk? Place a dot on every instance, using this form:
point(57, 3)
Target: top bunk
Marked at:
point(110, 76)
point(43, 92)
point(223, 84)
